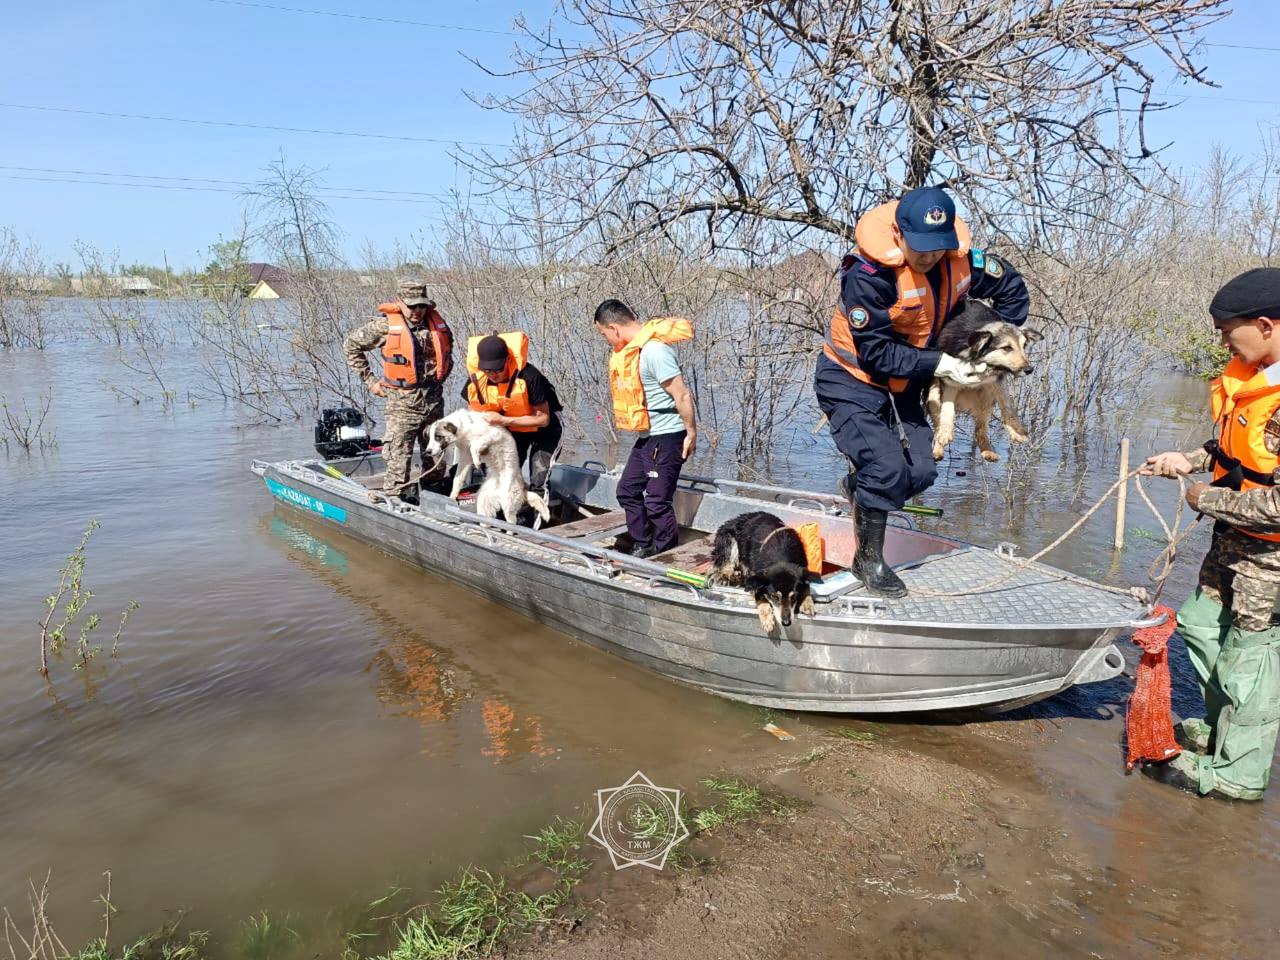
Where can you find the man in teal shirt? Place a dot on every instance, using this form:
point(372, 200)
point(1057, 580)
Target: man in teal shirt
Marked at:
point(646, 490)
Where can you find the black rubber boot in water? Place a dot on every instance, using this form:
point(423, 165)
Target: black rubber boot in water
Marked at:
point(868, 563)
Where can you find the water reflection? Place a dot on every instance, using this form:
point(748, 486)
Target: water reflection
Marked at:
point(414, 677)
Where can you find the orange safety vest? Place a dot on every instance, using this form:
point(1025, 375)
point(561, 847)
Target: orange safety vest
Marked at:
point(400, 367)
point(510, 398)
point(629, 409)
point(1243, 401)
point(917, 315)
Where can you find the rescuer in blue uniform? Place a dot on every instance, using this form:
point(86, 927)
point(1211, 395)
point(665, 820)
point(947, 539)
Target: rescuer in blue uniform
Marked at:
point(912, 268)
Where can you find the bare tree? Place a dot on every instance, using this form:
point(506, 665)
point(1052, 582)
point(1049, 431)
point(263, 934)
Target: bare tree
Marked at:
point(292, 221)
point(803, 113)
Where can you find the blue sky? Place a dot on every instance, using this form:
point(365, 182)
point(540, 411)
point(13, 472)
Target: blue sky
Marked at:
point(225, 61)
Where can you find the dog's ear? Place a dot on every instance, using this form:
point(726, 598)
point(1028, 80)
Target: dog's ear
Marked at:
point(979, 340)
point(1032, 335)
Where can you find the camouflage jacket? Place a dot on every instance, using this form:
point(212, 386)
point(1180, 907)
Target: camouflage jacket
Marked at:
point(1257, 509)
point(371, 336)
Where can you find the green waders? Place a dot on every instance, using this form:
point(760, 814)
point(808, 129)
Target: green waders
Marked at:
point(1239, 674)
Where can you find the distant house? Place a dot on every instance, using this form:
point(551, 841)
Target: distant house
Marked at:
point(30, 284)
point(267, 282)
point(97, 285)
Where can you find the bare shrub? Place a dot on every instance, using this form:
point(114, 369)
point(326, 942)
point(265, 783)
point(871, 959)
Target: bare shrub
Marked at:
point(25, 429)
point(24, 293)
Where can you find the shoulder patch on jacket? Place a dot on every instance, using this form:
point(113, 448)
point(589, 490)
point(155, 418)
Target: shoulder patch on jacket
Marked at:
point(978, 258)
point(994, 268)
point(1271, 434)
point(858, 318)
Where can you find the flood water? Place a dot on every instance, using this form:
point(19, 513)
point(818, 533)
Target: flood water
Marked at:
point(296, 722)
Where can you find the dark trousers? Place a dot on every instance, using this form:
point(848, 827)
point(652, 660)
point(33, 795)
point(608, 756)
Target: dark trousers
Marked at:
point(538, 448)
point(865, 430)
point(647, 489)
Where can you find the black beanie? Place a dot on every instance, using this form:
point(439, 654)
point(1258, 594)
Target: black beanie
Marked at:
point(1255, 293)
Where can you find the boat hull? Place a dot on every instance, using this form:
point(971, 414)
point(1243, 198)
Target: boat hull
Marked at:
point(838, 661)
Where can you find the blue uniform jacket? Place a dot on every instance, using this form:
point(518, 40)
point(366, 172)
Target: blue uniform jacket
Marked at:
point(882, 351)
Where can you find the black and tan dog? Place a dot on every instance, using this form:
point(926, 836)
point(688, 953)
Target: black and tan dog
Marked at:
point(761, 553)
point(977, 334)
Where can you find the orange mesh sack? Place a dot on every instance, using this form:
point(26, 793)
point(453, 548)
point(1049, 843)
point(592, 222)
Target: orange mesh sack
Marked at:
point(1149, 724)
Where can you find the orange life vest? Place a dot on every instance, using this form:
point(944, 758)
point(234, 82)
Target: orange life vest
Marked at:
point(811, 537)
point(1243, 401)
point(917, 315)
point(510, 398)
point(629, 409)
point(400, 366)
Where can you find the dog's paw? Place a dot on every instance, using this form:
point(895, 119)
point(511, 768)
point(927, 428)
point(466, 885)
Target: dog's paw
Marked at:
point(806, 606)
point(990, 456)
point(938, 453)
point(767, 620)
point(1015, 435)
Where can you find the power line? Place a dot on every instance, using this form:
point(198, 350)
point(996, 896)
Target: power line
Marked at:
point(189, 188)
point(357, 16)
point(1209, 96)
point(247, 126)
point(235, 183)
point(1240, 46)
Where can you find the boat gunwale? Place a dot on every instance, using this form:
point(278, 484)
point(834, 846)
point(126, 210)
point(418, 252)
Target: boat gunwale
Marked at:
point(449, 518)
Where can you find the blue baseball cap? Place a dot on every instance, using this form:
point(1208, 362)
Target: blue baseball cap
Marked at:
point(927, 218)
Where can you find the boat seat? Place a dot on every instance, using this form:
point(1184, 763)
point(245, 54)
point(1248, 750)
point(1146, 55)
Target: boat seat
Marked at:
point(591, 529)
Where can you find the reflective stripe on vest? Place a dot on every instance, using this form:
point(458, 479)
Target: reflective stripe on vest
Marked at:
point(401, 368)
point(629, 409)
point(917, 315)
point(1243, 401)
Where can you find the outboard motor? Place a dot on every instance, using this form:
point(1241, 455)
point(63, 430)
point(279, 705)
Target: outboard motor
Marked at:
point(340, 432)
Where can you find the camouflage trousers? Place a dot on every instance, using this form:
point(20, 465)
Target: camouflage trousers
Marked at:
point(1242, 574)
point(409, 418)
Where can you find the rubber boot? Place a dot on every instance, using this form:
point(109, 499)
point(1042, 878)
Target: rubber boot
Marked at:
point(1203, 624)
point(868, 563)
point(1248, 673)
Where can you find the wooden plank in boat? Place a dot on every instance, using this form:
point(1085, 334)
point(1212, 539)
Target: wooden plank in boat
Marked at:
point(592, 528)
point(694, 556)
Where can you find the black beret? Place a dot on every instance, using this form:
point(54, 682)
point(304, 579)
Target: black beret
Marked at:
point(1255, 293)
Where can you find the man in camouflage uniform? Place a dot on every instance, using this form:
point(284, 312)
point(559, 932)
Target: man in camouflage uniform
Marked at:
point(410, 411)
point(1230, 623)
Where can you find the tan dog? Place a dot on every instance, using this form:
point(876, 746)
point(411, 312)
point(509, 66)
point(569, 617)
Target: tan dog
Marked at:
point(977, 334)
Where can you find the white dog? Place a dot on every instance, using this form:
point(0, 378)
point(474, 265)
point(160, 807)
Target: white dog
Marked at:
point(476, 441)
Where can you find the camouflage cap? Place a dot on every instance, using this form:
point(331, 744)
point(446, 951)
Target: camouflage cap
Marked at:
point(414, 293)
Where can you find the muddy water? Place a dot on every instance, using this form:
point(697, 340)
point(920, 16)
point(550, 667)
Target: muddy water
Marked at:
point(295, 722)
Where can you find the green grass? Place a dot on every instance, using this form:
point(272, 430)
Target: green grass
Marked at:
point(418, 939)
point(848, 733)
point(262, 938)
point(478, 911)
point(167, 944)
point(738, 802)
point(555, 846)
point(817, 753)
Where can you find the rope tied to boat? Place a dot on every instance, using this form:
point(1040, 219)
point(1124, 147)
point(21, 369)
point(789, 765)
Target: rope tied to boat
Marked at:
point(1174, 536)
point(1149, 735)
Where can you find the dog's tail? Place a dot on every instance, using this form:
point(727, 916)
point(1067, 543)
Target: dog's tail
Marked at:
point(539, 505)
